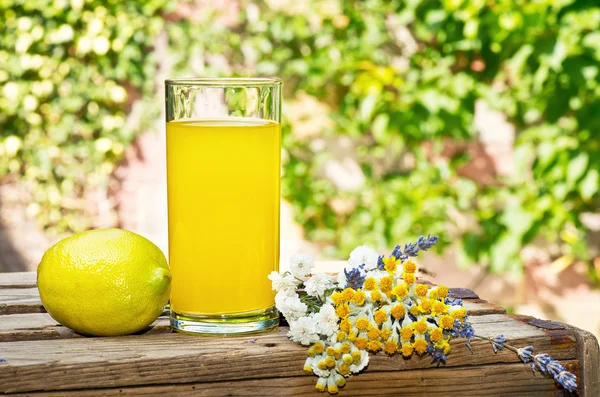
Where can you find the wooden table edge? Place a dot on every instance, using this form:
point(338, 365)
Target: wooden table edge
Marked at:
point(588, 349)
point(588, 354)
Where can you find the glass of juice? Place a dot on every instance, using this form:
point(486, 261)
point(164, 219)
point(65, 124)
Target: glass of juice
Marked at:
point(223, 170)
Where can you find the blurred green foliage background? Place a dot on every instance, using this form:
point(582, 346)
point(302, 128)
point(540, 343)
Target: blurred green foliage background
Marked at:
point(398, 80)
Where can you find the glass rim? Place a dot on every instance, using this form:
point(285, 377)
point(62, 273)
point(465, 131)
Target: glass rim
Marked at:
point(225, 81)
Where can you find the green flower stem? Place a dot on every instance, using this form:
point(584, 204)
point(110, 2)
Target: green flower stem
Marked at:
point(499, 346)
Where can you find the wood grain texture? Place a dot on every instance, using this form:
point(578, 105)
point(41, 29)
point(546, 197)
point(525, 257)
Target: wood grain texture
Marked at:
point(18, 280)
point(487, 380)
point(43, 355)
point(36, 326)
point(20, 300)
point(588, 355)
point(27, 300)
point(28, 327)
point(478, 307)
point(63, 364)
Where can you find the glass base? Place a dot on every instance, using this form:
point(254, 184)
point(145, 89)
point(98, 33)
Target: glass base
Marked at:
point(254, 322)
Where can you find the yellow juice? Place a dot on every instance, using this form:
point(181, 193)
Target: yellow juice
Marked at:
point(223, 197)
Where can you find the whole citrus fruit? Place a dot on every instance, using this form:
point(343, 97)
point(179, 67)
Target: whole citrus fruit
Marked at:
point(104, 282)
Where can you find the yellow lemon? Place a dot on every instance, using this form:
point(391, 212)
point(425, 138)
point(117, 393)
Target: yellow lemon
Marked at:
point(104, 282)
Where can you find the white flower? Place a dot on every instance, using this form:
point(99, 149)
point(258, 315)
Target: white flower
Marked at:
point(289, 304)
point(326, 320)
point(276, 280)
point(407, 321)
point(363, 254)
point(279, 283)
point(322, 383)
point(301, 265)
point(359, 256)
point(318, 284)
point(341, 279)
point(304, 331)
point(388, 323)
point(308, 365)
point(378, 274)
point(323, 373)
point(332, 339)
point(364, 360)
point(281, 296)
point(339, 380)
point(326, 314)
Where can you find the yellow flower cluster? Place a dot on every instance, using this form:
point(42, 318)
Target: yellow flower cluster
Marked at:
point(390, 313)
point(333, 361)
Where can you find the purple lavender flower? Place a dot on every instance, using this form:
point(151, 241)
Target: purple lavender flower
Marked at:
point(463, 330)
point(397, 252)
point(380, 264)
point(498, 343)
point(567, 380)
point(425, 243)
point(550, 366)
point(453, 301)
point(541, 361)
point(526, 354)
point(412, 249)
point(554, 368)
point(437, 355)
point(355, 278)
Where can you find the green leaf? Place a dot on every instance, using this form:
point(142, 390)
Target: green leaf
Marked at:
point(590, 184)
point(577, 167)
point(517, 220)
point(367, 107)
point(380, 129)
point(504, 253)
point(399, 79)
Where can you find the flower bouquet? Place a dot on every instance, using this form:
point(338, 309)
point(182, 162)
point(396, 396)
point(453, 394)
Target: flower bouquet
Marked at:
point(377, 305)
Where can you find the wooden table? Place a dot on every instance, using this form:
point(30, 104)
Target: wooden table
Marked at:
point(42, 356)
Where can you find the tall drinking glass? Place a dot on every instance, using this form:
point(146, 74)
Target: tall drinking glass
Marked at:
point(223, 169)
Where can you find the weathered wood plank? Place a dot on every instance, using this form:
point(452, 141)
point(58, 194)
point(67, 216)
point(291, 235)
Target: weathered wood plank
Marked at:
point(18, 280)
point(488, 380)
point(463, 293)
point(478, 307)
point(39, 326)
point(64, 364)
point(28, 327)
point(20, 300)
point(588, 355)
point(27, 300)
point(35, 326)
point(133, 361)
